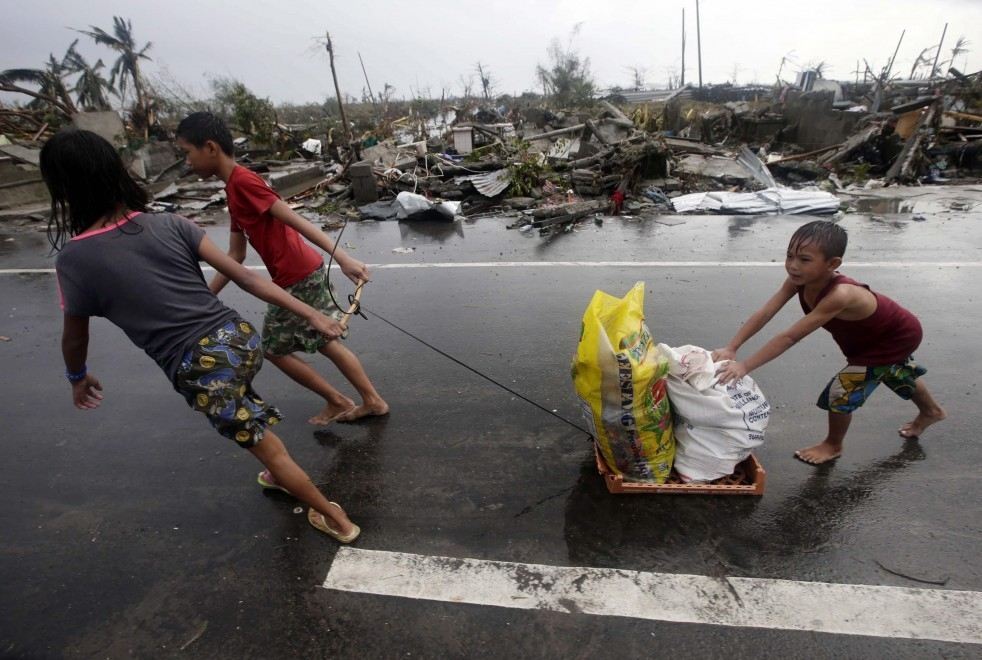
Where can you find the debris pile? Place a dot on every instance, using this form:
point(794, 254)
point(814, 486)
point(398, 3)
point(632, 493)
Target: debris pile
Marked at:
point(721, 149)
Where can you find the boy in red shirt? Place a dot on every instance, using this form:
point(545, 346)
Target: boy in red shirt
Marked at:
point(877, 336)
point(277, 232)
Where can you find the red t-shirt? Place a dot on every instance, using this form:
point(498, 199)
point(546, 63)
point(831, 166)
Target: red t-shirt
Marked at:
point(283, 250)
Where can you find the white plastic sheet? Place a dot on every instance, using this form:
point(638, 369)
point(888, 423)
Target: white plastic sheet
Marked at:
point(770, 201)
point(716, 426)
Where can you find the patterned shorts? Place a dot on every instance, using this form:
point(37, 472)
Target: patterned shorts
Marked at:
point(215, 378)
point(850, 388)
point(284, 332)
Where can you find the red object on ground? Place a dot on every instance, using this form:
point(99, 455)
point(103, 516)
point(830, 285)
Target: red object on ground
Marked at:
point(617, 199)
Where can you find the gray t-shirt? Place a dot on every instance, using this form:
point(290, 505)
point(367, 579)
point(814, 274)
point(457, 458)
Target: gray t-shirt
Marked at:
point(143, 275)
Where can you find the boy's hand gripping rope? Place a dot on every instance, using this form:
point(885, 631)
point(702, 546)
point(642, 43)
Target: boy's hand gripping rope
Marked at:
point(354, 300)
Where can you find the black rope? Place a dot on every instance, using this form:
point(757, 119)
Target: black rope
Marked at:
point(330, 260)
point(356, 308)
point(482, 375)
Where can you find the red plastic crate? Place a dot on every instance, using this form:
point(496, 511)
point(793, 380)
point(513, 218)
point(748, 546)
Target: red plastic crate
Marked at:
point(749, 478)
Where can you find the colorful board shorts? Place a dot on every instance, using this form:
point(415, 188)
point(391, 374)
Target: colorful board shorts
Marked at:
point(215, 378)
point(850, 388)
point(284, 332)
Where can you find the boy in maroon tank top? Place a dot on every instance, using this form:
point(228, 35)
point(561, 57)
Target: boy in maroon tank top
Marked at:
point(877, 336)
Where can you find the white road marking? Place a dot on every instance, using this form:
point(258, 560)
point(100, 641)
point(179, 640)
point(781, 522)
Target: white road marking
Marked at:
point(846, 609)
point(599, 264)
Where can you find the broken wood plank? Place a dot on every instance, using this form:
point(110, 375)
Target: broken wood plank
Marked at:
point(916, 104)
point(854, 142)
point(614, 111)
point(595, 131)
point(617, 121)
point(963, 115)
point(807, 154)
point(543, 217)
point(556, 133)
point(585, 162)
point(901, 167)
point(692, 147)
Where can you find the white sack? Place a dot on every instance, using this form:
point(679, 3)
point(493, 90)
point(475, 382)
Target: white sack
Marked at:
point(312, 146)
point(408, 204)
point(411, 203)
point(716, 426)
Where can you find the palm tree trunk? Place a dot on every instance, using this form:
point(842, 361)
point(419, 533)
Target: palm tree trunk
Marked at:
point(67, 110)
point(141, 100)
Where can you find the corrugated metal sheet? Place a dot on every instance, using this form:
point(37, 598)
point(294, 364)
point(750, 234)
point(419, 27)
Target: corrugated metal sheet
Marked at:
point(489, 184)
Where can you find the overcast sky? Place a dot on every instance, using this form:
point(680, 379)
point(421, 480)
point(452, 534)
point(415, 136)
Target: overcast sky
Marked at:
point(431, 44)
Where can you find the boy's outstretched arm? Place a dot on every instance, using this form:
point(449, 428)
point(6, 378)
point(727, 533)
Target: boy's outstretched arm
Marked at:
point(86, 391)
point(355, 270)
point(237, 246)
point(830, 307)
point(264, 289)
point(757, 320)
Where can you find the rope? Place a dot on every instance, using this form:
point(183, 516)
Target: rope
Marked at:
point(355, 307)
point(476, 371)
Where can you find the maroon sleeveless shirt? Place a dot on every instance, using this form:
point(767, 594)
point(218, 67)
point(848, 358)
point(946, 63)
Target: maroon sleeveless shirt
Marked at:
point(888, 336)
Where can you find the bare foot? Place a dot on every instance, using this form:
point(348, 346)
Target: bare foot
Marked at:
point(823, 452)
point(915, 428)
point(331, 412)
point(365, 410)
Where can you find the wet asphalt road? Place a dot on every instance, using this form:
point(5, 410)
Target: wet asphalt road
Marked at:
point(134, 529)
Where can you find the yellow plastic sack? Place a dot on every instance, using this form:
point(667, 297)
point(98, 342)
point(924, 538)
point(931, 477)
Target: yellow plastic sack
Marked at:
point(619, 375)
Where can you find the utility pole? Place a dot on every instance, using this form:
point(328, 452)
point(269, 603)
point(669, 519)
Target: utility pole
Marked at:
point(370, 92)
point(881, 81)
point(938, 54)
point(699, 43)
point(892, 59)
point(683, 46)
point(337, 89)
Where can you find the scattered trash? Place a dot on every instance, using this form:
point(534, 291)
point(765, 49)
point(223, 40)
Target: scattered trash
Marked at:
point(197, 635)
point(298, 509)
point(403, 250)
point(938, 581)
point(312, 146)
point(648, 153)
point(3, 338)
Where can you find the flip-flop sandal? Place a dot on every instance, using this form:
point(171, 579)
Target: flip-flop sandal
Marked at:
point(317, 520)
point(270, 485)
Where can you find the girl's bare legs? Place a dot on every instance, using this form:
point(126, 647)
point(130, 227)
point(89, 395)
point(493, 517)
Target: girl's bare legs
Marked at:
point(271, 453)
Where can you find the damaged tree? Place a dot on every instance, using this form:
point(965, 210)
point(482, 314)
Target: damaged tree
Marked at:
point(126, 69)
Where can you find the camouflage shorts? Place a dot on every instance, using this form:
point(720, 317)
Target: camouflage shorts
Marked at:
point(215, 377)
point(284, 332)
